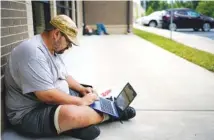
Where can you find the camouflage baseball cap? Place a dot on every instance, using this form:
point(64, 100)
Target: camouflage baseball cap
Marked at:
point(67, 26)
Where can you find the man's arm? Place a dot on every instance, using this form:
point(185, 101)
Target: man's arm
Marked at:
point(73, 84)
point(58, 97)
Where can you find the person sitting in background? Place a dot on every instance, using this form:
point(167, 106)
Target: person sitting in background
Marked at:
point(87, 30)
point(101, 28)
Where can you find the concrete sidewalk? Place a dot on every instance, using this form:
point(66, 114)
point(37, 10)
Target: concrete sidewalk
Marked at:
point(175, 97)
point(199, 42)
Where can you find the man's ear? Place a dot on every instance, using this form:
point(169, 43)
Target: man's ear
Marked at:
point(56, 34)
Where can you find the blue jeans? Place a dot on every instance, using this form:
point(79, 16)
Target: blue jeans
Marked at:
point(100, 28)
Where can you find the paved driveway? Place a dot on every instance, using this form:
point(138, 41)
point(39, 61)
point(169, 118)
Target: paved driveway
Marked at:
point(209, 35)
point(175, 97)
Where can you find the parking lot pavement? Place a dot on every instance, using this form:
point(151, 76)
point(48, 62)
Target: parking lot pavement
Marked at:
point(209, 35)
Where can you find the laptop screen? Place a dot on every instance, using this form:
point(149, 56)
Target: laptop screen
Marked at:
point(126, 96)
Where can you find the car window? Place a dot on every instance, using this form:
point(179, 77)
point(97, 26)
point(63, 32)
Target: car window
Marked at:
point(183, 13)
point(171, 11)
point(192, 14)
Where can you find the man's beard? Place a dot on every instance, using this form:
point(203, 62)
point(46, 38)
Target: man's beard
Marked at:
point(56, 45)
point(60, 52)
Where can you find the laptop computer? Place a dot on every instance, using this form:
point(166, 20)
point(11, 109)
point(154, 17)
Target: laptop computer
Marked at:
point(116, 107)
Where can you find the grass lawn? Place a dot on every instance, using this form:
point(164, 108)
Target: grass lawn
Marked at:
point(201, 58)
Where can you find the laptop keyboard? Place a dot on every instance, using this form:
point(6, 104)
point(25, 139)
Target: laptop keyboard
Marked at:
point(106, 105)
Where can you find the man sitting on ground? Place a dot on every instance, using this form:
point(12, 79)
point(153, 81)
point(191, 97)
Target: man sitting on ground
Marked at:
point(41, 98)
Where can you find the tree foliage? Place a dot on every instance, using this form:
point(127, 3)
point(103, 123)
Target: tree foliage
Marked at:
point(149, 11)
point(204, 7)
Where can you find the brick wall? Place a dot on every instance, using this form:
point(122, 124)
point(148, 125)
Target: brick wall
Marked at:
point(16, 25)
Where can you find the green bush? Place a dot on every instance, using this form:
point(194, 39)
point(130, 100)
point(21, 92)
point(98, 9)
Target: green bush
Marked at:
point(149, 11)
point(206, 8)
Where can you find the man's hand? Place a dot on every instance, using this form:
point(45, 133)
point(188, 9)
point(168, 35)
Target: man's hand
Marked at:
point(89, 98)
point(87, 90)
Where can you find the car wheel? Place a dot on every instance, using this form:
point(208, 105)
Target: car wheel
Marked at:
point(196, 29)
point(152, 24)
point(173, 27)
point(206, 27)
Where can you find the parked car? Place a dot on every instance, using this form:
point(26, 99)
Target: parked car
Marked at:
point(187, 18)
point(152, 20)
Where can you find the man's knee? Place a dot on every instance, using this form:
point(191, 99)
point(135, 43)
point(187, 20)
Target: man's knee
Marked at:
point(74, 115)
point(78, 121)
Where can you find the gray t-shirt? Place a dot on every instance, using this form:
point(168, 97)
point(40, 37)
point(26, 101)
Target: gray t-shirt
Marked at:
point(31, 67)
